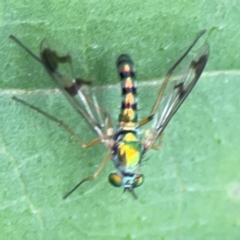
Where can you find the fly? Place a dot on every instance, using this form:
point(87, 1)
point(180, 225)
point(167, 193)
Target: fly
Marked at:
point(125, 147)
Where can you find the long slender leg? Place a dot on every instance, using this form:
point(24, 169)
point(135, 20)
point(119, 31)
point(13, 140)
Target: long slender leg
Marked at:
point(25, 48)
point(89, 178)
point(61, 124)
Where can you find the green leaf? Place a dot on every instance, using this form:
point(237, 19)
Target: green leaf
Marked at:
point(152, 32)
point(192, 186)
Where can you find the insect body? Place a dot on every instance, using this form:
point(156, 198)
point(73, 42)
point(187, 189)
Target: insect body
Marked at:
point(126, 148)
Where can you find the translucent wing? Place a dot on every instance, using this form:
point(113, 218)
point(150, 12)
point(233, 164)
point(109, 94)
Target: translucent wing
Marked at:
point(174, 91)
point(77, 90)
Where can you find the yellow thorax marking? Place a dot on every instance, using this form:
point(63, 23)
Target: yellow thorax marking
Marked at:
point(130, 137)
point(130, 152)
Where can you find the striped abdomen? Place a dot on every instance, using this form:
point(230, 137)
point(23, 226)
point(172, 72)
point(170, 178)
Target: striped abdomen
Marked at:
point(128, 114)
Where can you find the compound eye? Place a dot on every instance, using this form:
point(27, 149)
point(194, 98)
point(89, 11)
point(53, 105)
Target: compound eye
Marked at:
point(115, 179)
point(139, 181)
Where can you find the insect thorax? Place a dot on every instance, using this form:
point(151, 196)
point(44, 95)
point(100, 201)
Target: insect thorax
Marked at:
point(127, 152)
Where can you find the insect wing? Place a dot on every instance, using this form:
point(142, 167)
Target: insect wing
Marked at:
point(176, 91)
point(77, 90)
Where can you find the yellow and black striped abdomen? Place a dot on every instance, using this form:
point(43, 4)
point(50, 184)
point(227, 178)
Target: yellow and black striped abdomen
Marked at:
point(128, 115)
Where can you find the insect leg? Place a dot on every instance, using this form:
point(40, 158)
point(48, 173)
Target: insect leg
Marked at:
point(89, 178)
point(159, 146)
point(61, 123)
point(16, 40)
